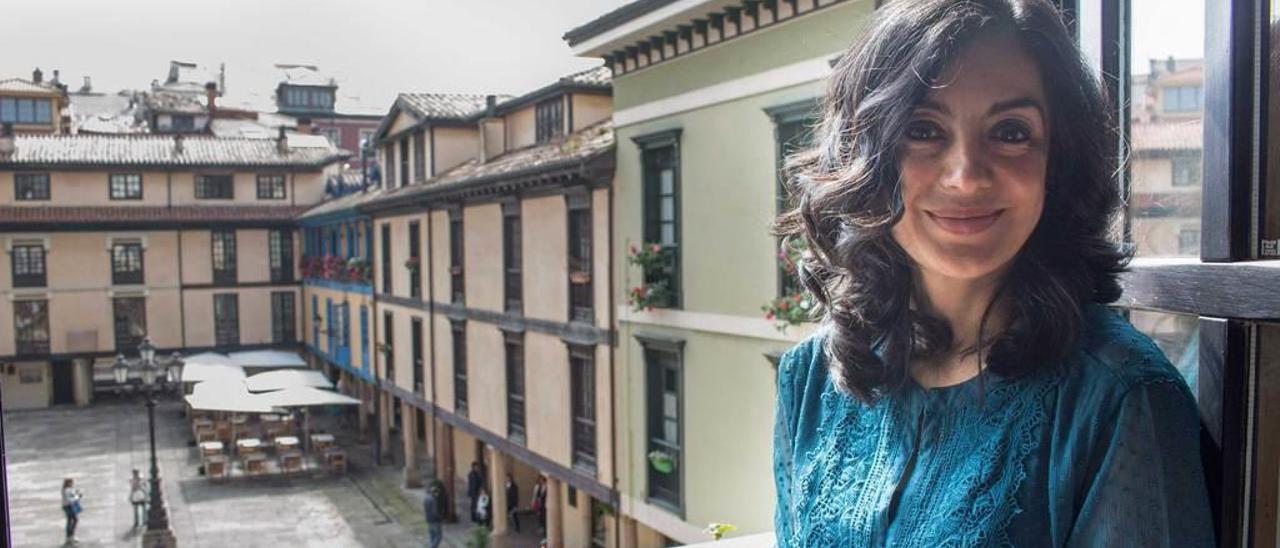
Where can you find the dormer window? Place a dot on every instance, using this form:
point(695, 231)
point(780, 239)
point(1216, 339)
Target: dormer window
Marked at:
point(22, 110)
point(550, 119)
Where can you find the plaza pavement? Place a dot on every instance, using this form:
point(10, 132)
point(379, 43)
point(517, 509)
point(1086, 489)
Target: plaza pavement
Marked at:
point(99, 445)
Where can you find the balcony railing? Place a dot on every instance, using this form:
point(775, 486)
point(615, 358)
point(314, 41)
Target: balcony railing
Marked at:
point(129, 277)
point(33, 346)
point(29, 280)
point(338, 269)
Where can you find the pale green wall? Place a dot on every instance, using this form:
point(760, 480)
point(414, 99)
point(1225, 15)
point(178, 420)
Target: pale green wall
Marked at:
point(727, 201)
point(826, 32)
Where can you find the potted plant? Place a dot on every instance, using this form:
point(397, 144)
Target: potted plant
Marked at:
point(717, 530)
point(662, 461)
point(655, 264)
point(412, 263)
point(797, 305)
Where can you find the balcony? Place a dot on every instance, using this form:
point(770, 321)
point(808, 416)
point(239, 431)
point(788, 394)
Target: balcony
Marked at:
point(29, 280)
point(31, 347)
point(334, 268)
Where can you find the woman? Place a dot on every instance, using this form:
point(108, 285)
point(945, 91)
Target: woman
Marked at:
point(513, 502)
point(539, 502)
point(484, 509)
point(967, 387)
point(138, 498)
point(71, 508)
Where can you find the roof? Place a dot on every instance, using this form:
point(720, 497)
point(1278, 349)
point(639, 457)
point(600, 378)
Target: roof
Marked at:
point(104, 113)
point(26, 86)
point(69, 215)
point(598, 79)
point(159, 150)
point(573, 150)
point(170, 101)
point(342, 203)
point(443, 105)
point(598, 76)
point(1168, 136)
point(612, 20)
point(303, 75)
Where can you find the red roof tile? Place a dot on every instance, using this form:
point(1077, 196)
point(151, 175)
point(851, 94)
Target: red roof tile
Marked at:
point(34, 215)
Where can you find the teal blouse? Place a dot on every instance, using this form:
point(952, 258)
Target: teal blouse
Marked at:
point(1104, 451)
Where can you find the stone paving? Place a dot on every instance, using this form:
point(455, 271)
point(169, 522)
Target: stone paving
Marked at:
point(99, 446)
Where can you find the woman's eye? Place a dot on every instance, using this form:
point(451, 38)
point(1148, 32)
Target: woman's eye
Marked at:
point(923, 131)
point(1011, 132)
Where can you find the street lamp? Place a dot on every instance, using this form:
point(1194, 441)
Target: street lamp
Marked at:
point(156, 375)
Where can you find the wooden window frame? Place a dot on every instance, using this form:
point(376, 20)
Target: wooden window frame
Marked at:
point(127, 342)
point(28, 279)
point(37, 186)
point(124, 186)
point(652, 346)
point(226, 328)
point(120, 261)
point(283, 317)
point(271, 186)
point(215, 186)
point(26, 341)
point(580, 284)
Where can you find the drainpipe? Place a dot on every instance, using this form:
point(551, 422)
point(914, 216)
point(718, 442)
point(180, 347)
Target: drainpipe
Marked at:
point(613, 376)
point(431, 331)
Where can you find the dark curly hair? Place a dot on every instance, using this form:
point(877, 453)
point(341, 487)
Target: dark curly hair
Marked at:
point(847, 195)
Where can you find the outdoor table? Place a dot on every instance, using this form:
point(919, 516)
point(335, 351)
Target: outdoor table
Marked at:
point(255, 464)
point(286, 442)
point(211, 448)
point(290, 461)
point(248, 445)
point(321, 441)
point(215, 466)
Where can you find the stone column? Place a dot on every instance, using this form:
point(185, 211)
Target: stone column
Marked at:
point(384, 426)
point(628, 535)
point(498, 484)
point(409, 430)
point(82, 381)
point(555, 514)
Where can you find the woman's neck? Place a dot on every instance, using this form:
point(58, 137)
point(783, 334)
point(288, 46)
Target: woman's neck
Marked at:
point(961, 303)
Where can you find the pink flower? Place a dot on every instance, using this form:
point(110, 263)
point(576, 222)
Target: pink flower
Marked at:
point(654, 248)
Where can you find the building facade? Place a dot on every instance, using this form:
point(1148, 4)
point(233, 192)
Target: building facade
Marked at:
point(708, 97)
point(32, 106)
point(190, 241)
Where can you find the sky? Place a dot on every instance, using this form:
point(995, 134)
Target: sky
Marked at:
point(375, 48)
point(1166, 27)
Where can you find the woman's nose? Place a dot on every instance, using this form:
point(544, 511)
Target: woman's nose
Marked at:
point(966, 167)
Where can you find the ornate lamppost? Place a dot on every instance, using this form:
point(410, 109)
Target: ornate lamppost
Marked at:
point(157, 374)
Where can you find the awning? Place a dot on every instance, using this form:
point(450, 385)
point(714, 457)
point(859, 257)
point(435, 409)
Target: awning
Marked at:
point(226, 395)
point(200, 371)
point(287, 378)
point(305, 396)
point(267, 359)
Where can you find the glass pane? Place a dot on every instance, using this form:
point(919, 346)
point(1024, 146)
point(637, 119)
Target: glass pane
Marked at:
point(668, 181)
point(1166, 124)
point(1177, 335)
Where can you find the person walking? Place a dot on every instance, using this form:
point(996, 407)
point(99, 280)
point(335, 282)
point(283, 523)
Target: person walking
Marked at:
point(138, 498)
point(484, 508)
point(540, 502)
point(435, 517)
point(71, 508)
point(475, 480)
point(513, 503)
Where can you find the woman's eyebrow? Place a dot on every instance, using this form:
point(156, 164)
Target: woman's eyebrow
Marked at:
point(930, 104)
point(1011, 104)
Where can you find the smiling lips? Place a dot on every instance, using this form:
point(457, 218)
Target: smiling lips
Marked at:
point(965, 221)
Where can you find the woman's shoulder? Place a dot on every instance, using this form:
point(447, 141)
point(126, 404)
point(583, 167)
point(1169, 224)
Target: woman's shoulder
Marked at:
point(1115, 357)
point(805, 362)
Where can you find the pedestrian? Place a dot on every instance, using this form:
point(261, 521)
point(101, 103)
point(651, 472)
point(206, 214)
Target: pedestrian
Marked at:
point(484, 508)
point(431, 508)
point(138, 498)
point(71, 508)
point(475, 480)
point(513, 503)
point(540, 502)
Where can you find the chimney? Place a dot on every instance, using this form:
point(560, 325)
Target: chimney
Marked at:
point(282, 142)
point(304, 126)
point(37, 76)
point(55, 81)
point(493, 131)
point(7, 144)
point(177, 144)
point(1170, 65)
point(87, 87)
point(211, 97)
point(490, 105)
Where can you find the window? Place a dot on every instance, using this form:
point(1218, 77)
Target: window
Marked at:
point(459, 331)
point(226, 319)
point(456, 258)
point(1186, 169)
point(388, 344)
point(22, 110)
point(30, 186)
point(271, 186)
point(514, 346)
point(419, 156)
point(333, 134)
point(511, 257)
point(126, 263)
point(660, 162)
point(418, 386)
point(415, 260)
point(1182, 98)
point(663, 410)
point(31, 326)
point(599, 525)
point(389, 154)
point(214, 187)
point(549, 119)
point(580, 241)
point(792, 123)
point(364, 338)
point(28, 265)
point(182, 123)
point(283, 322)
point(404, 162)
point(1189, 241)
point(224, 256)
point(125, 186)
point(386, 258)
point(280, 254)
point(130, 315)
point(582, 393)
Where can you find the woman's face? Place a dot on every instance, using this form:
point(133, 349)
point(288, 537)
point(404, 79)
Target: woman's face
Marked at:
point(974, 157)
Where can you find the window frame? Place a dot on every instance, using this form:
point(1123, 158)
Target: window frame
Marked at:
point(458, 340)
point(457, 257)
point(651, 144)
point(384, 237)
point(129, 186)
point(284, 318)
point(280, 255)
point(512, 257)
point(274, 185)
point(128, 276)
point(415, 252)
point(40, 180)
point(30, 344)
point(388, 346)
point(27, 279)
point(584, 413)
point(215, 186)
point(226, 328)
point(652, 346)
point(549, 119)
point(403, 145)
point(223, 240)
point(34, 102)
point(127, 342)
point(514, 367)
point(416, 359)
point(803, 113)
point(419, 156)
point(581, 240)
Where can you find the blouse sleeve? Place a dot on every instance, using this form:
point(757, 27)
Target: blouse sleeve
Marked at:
point(1149, 488)
point(792, 365)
